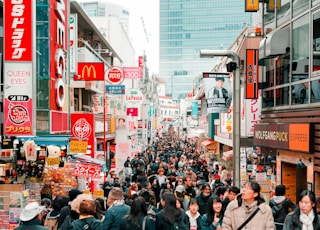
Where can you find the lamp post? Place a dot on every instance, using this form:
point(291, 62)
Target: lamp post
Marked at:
point(236, 107)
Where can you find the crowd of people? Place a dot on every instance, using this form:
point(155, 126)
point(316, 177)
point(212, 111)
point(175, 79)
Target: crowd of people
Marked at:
point(170, 186)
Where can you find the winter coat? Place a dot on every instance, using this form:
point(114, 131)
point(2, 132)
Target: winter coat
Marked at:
point(34, 224)
point(161, 224)
point(203, 203)
point(91, 222)
point(236, 215)
point(114, 216)
point(289, 222)
point(126, 225)
point(198, 219)
point(208, 226)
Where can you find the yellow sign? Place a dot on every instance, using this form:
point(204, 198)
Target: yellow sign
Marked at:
point(252, 5)
point(98, 193)
point(271, 5)
point(53, 160)
point(78, 146)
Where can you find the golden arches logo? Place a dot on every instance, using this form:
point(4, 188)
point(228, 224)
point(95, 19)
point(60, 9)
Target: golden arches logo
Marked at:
point(89, 70)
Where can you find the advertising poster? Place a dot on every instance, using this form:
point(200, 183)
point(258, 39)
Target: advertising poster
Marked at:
point(218, 92)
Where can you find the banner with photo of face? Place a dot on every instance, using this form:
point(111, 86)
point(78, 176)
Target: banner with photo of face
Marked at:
point(218, 92)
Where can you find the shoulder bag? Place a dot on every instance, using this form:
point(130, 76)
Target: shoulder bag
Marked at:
point(249, 219)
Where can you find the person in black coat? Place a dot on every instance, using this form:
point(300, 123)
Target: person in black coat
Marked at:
point(137, 218)
point(281, 206)
point(170, 216)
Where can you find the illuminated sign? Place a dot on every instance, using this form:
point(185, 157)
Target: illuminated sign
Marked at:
point(90, 71)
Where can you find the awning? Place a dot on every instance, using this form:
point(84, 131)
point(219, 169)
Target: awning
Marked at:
point(227, 155)
point(274, 44)
point(204, 143)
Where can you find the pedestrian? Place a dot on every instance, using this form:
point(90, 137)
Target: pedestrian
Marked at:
point(138, 217)
point(86, 220)
point(305, 216)
point(65, 211)
point(203, 197)
point(231, 194)
point(170, 216)
point(52, 218)
point(31, 218)
point(280, 206)
point(117, 209)
point(194, 215)
point(248, 210)
point(318, 204)
point(212, 219)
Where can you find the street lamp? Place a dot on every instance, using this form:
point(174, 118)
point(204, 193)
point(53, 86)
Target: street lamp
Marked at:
point(236, 107)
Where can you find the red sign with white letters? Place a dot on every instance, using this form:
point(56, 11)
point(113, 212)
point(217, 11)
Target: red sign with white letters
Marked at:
point(132, 72)
point(86, 170)
point(115, 76)
point(18, 30)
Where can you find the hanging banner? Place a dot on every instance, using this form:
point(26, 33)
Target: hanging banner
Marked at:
point(218, 92)
point(252, 73)
point(73, 55)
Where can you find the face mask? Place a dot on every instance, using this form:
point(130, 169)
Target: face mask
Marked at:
point(206, 194)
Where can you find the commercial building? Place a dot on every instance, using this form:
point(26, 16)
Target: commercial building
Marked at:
point(188, 26)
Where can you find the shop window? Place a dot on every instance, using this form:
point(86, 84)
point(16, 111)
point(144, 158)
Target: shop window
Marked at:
point(315, 91)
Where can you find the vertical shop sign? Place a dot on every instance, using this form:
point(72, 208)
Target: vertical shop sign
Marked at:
point(18, 67)
point(73, 19)
point(252, 73)
point(58, 66)
point(82, 128)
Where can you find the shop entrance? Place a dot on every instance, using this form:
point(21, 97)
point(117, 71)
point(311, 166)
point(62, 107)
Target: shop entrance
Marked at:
point(295, 180)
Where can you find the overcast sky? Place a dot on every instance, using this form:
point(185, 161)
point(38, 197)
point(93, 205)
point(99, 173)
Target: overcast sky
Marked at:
point(147, 38)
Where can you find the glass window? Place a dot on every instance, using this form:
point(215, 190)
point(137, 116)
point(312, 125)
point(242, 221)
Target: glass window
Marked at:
point(300, 47)
point(315, 2)
point(316, 45)
point(282, 96)
point(299, 6)
point(300, 93)
point(315, 91)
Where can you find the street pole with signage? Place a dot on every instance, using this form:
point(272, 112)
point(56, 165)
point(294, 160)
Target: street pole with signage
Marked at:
point(236, 107)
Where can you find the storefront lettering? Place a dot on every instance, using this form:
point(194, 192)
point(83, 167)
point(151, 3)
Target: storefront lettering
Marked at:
point(272, 135)
point(299, 137)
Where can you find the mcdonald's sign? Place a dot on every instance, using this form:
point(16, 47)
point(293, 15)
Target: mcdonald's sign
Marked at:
point(90, 71)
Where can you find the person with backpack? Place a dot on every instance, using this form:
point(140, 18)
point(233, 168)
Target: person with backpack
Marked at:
point(280, 206)
point(170, 216)
point(52, 218)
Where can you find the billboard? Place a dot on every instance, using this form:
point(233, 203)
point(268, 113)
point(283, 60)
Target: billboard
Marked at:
point(90, 71)
point(18, 68)
point(218, 92)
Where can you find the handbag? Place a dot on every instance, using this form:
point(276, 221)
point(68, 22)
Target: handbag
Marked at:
point(249, 218)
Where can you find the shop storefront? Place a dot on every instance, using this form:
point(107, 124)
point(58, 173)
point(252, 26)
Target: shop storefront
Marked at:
point(294, 147)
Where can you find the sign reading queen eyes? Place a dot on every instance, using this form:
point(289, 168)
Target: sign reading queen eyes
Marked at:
point(218, 92)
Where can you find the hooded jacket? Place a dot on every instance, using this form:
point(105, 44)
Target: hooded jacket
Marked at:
point(91, 223)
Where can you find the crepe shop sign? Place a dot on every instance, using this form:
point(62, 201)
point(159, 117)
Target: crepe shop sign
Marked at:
point(87, 170)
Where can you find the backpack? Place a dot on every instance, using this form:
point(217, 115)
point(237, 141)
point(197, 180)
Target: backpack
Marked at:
point(276, 208)
point(51, 222)
point(151, 213)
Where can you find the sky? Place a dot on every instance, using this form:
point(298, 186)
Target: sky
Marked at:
point(144, 40)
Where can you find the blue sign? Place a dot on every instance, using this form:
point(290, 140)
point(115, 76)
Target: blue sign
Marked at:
point(115, 89)
point(194, 111)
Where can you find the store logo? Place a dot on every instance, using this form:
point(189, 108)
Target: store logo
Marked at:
point(82, 128)
point(90, 72)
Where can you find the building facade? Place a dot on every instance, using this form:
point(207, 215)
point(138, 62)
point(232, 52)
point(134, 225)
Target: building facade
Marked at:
point(184, 31)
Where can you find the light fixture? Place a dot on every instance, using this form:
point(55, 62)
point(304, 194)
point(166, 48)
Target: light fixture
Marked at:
point(300, 164)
